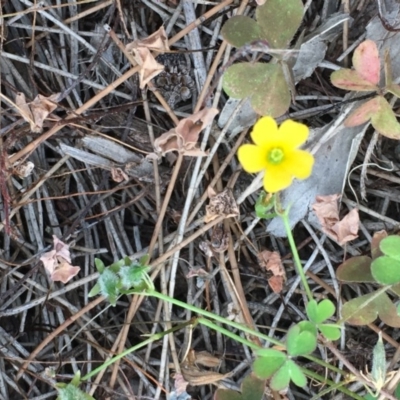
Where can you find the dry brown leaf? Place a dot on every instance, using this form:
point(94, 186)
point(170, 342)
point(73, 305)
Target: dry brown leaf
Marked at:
point(194, 375)
point(347, 229)
point(118, 175)
point(200, 272)
point(206, 359)
point(180, 384)
point(185, 136)
point(327, 210)
point(37, 111)
point(22, 169)
point(57, 262)
point(271, 261)
point(221, 204)
point(141, 51)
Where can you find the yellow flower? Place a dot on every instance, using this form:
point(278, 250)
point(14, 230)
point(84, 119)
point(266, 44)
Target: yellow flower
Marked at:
point(276, 151)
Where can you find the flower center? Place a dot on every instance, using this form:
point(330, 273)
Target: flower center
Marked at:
point(276, 156)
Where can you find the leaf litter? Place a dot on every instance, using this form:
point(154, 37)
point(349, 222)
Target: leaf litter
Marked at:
point(79, 182)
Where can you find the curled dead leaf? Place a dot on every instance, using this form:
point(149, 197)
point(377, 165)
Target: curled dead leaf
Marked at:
point(22, 169)
point(36, 111)
point(221, 204)
point(185, 136)
point(271, 261)
point(196, 376)
point(327, 210)
point(141, 51)
point(57, 262)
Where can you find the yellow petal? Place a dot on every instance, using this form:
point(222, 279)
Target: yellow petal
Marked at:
point(293, 134)
point(276, 179)
point(252, 158)
point(299, 163)
point(264, 130)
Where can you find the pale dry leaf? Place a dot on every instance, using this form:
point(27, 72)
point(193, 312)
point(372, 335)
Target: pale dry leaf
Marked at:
point(141, 51)
point(205, 359)
point(276, 283)
point(327, 211)
point(118, 175)
point(260, 2)
point(37, 111)
point(221, 204)
point(57, 262)
point(180, 384)
point(271, 261)
point(197, 272)
point(185, 136)
point(195, 377)
point(23, 169)
point(347, 229)
point(157, 41)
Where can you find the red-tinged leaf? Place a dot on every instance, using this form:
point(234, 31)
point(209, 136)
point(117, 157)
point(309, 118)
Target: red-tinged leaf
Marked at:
point(366, 61)
point(349, 79)
point(355, 269)
point(385, 121)
point(363, 113)
point(375, 242)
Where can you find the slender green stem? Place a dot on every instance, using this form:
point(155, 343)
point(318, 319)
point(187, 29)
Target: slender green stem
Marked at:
point(151, 339)
point(285, 218)
point(210, 315)
point(321, 378)
point(225, 332)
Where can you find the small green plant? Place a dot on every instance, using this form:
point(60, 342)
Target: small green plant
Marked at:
point(365, 77)
point(71, 391)
point(264, 83)
point(382, 268)
point(252, 389)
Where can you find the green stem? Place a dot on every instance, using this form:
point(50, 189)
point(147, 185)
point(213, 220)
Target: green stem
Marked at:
point(151, 339)
point(210, 315)
point(285, 218)
point(225, 332)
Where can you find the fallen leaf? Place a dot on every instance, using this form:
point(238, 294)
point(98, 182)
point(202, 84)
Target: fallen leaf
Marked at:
point(185, 136)
point(347, 229)
point(180, 384)
point(118, 175)
point(196, 376)
point(57, 262)
point(221, 204)
point(37, 111)
point(22, 168)
point(327, 210)
point(271, 261)
point(141, 51)
point(200, 272)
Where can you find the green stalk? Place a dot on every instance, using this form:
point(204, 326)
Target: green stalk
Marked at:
point(210, 315)
point(284, 214)
point(151, 339)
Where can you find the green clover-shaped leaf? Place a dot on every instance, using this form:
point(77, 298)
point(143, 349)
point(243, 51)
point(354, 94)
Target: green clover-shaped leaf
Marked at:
point(264, 84)
point(365, 309)
point(277, 22)
point(252, 389)
point(289, 371)
point(301, 339)
point(390, 246)
point(386, 270)
point(268, 361)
